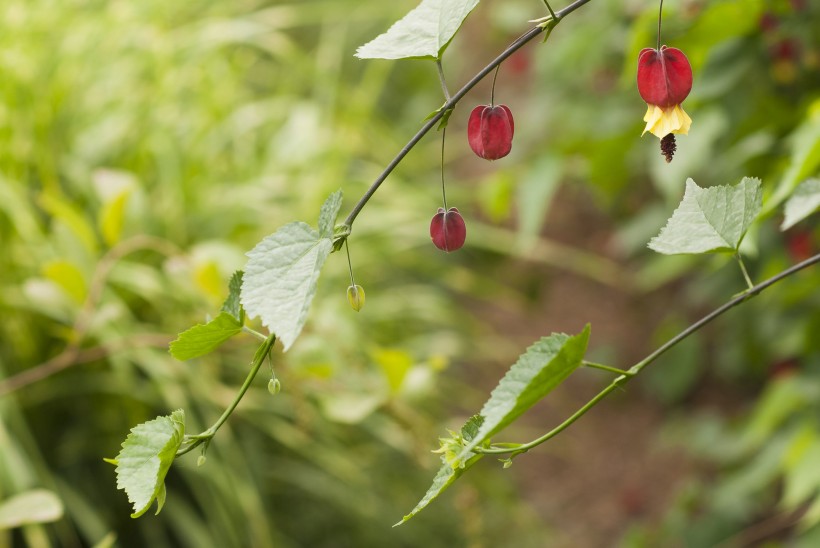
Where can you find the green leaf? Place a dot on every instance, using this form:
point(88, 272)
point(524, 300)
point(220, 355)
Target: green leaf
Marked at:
point(471, 427)
point(804, 202)
point(425, 32)
point(146, 456)
point(232, 305)
point(35, 506)
point(445, 477)
point(282, 273)
point(205, 338)
point(710, 219)
point(537, 372)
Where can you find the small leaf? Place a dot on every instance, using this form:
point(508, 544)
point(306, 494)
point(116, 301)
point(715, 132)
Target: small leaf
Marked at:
point(205, 338)
point(537, 372)
point(710, 219)
point(803, 202)
point(112, 217)
point(471, 427)
point(283, 271)
point(146, 456)
point(445, 477)
point(425, 32)
point(232, 305)
point(35, 506)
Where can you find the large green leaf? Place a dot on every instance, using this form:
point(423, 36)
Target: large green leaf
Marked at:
point(804, 202)
point(710, 219)
point(537, 372)
point(446, 476)
point(425, 32)
point(146, 456)
point(283, 271)
point(203, 339)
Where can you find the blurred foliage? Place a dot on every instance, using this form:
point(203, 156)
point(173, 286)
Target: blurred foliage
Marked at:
point(146, 146)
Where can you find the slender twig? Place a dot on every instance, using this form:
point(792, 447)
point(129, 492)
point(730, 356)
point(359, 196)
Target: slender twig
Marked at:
point(492, 90)
point(349, 265)
point(194, 440)
point(449, 105)
point(76, 356)
point(72, 354)
point(635, 369)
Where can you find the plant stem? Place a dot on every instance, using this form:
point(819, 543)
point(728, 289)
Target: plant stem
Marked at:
point(443, 192)
point(492, 91)
point(349, 264)
point(635, 369)
point(549, 8)
point(259, 359)
point(254, 332)
point(450, 104)
point(442, 80)
point(660, 18)
point(745, 272)
point(593, 365)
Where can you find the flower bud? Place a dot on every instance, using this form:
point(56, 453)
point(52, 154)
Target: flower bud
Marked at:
point(490, 131)
point(447, 230)
point(274, 386)
point(355, 296)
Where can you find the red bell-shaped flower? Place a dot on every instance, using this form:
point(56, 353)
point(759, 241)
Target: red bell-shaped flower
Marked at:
point(664, 81)
point(664, 77)
point(490, 131)
point(447, 229)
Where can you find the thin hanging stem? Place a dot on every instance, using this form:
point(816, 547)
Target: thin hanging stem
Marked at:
point(492, 92)
point(443, 192)
point(442, 80)
point(745, 272)
point(660, 18)
point(349, 264)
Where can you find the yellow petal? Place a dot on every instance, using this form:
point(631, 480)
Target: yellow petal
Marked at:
point(661, 122)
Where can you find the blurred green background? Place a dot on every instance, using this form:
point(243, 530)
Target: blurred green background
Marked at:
point(146, 146)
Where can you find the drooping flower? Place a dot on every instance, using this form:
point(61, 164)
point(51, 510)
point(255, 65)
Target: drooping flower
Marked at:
point(664, 81)
point(490, 131)
point(447, 230)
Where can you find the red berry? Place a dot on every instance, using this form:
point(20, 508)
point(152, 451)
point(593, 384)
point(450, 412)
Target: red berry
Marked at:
point(664, 77)
point(447, 229)
point(490, 131)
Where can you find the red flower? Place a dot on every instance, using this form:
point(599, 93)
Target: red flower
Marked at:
point(447, 229)
point(490, 131)
point(664, 81)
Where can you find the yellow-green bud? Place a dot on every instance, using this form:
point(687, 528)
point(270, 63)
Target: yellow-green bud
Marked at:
point(355, 296)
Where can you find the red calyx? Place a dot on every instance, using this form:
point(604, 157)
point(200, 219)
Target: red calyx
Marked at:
point(447, 230)
point(664, 77)
point(490, 131)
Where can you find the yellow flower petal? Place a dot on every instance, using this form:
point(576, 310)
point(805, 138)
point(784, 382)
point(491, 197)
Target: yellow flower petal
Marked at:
point(661, 122)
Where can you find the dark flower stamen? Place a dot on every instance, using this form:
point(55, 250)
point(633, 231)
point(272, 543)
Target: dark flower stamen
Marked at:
point(668, 147)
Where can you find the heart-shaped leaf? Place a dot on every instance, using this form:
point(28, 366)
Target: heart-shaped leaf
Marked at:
point(425, 32)
point(710, 219)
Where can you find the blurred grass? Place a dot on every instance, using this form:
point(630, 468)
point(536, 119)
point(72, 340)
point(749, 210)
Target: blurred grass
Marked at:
point(145, 146)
